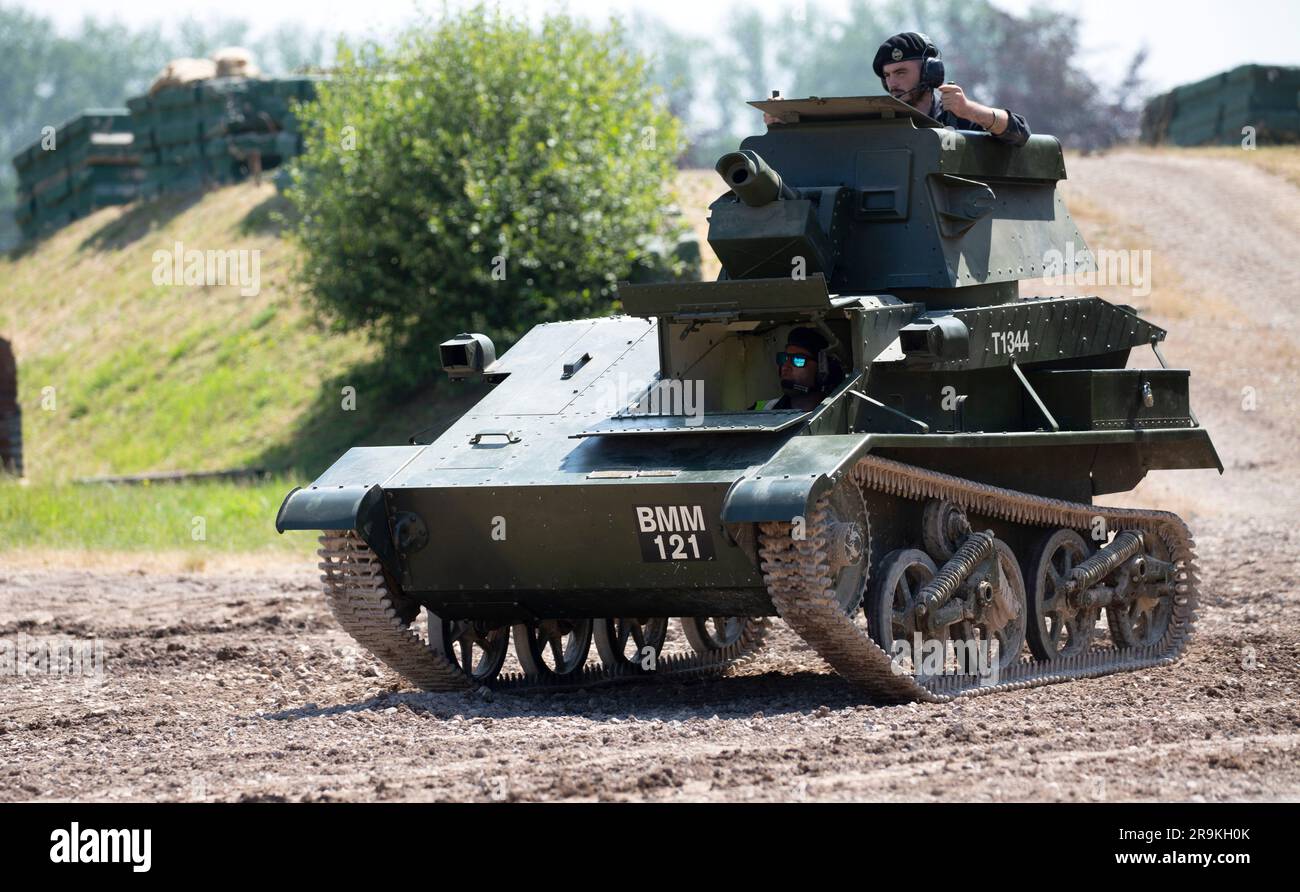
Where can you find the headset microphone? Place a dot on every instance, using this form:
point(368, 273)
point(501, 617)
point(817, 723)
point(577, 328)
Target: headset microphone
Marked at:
point(905, 96)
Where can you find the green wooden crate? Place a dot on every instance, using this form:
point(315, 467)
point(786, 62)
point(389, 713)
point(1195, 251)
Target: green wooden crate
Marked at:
point(177, 129)
point(92, 175)
point(177, 97)
point(52, 187)
point(1214, 110)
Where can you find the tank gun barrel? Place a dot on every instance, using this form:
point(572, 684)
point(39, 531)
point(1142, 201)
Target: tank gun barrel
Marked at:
point(752, 179)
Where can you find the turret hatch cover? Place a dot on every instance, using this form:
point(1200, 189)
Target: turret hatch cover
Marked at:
point(844, 108)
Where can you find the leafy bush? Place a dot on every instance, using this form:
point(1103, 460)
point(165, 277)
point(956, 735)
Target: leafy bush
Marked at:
point(481, 175)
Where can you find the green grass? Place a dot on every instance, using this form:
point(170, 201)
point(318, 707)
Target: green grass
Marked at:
point(119, 375)
point(231, 517)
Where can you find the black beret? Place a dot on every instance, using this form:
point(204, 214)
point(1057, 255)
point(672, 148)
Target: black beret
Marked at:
point(808, 338)
point(907, 45)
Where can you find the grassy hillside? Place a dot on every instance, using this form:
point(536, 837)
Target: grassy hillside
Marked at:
point(158, 377)
point(119, 375)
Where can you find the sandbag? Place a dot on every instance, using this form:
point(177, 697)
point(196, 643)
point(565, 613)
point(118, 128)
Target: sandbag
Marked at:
point(235, 61)
point(179, 72)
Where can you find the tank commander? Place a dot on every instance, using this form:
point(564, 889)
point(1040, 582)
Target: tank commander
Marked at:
point(804, 381)
point(910, 68)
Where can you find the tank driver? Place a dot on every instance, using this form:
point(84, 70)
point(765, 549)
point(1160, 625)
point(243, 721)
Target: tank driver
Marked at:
point(807, 370)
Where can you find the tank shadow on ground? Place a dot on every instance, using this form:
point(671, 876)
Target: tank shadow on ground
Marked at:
point(140, 219)
point(272, 216)
point(772, 694)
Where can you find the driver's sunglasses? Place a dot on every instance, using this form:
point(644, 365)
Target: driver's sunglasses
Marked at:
point(798, 360)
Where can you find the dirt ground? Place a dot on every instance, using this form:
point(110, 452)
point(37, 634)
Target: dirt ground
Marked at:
point(235, 683)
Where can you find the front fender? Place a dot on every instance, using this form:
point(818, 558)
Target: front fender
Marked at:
point(359, 508)
point(792, 480)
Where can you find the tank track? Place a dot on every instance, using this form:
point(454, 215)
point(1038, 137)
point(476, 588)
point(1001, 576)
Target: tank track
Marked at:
point(796, 574)
point(359, 598)
point(798, 580)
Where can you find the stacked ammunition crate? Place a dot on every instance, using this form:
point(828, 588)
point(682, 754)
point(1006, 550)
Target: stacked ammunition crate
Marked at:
point(216, 131)
point(181, 139)
point(91, 162)
point(1215, 110)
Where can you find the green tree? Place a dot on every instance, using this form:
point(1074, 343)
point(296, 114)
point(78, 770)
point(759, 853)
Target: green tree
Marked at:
point(481, 175)
point(827, 54)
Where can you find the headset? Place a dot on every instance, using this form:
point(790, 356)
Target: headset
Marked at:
point(932, 73)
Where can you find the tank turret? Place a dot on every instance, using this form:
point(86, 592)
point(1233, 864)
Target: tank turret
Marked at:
point(880, 198)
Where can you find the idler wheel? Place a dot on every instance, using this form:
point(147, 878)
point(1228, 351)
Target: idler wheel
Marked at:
point(630, 642)
point(553, 648)
point(1056, 628)
point(848, 536)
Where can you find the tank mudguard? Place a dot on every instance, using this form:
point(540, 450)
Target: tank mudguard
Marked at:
point(790, 483)
point(357, 507)
point(793, 479)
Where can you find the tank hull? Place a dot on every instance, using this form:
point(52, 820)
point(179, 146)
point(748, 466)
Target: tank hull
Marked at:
point(942, 480)
point(626, 542)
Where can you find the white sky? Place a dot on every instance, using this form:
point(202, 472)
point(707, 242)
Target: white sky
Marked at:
point(1188, 39)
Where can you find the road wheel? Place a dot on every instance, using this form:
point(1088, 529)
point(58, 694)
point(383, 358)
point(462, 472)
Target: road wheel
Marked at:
point(478, 649)
point(553, 649)
point(891, 604)
point(1056, 629)
point(631, 643)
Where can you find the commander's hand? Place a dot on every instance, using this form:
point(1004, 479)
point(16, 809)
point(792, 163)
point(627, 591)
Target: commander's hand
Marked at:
point(770, 119)
point(954, 100)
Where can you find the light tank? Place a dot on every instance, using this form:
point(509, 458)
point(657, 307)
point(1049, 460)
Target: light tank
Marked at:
point(928, 526)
